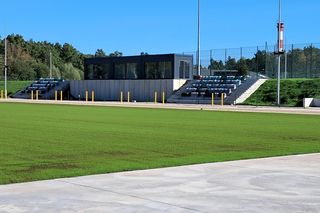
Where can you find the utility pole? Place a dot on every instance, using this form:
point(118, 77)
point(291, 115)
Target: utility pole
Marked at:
point(50, 64)
point(266, 57)
point(198, 54)
point(5, 67)
point(211, 59)
point(279, 51)
point(285, 65)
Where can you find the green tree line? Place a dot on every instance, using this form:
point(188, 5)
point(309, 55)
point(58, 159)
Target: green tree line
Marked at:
point(29, 60)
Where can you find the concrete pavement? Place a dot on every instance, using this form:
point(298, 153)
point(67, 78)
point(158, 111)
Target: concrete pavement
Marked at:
point(282, 184)
point(226, 108)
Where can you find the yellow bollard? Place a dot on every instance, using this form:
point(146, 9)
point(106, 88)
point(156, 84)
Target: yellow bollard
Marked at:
point(121, 96)
point(61, 96)
point(222, 99)
point(87, 96)
point(37, 95)
point(31, 94)
point(155, 97)
point(212, 99)
point(92, 96)
point(128, 97)
point(1, 94)
point(56, 95)
point(163, 97)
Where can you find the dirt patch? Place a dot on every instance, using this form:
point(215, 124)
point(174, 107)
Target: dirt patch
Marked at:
point(46, 166)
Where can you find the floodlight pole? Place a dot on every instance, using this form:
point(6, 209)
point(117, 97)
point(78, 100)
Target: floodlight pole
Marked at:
point(5, 67)
point(198, 53)
point(279, 52)
point(50, 64)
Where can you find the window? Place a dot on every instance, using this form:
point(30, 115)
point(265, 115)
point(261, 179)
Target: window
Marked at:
point(165, 70)
point(98, 71)
point(107, 72)
point(89, 69)
point(151, 70)
point(187, 70)
point(184, 69)
point(132, 71)
point(120, 71)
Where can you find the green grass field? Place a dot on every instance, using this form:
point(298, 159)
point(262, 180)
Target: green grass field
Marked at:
point(50, 141)
point(14, 86)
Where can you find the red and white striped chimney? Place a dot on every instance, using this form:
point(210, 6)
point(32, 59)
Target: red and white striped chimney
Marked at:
point(280, 37)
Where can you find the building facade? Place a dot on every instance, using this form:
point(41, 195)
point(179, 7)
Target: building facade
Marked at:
point(140, 76)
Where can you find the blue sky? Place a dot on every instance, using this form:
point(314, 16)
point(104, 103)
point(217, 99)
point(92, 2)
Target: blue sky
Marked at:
point(158, 26)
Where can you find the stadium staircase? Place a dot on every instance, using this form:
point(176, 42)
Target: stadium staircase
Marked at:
point(46, 88)
point(234, 89)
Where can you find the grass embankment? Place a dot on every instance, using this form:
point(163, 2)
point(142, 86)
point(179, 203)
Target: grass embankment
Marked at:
point(292, 92)
point(51, 141)
point(14, 86)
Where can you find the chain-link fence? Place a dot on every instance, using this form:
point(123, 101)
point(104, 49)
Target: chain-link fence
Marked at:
point(299, 61)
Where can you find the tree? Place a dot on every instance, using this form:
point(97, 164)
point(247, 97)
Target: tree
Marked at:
point(100, 53)
point(216, 65)
point(71, 73)
point(242, 67)
point(116, 54)
point(68, 53)
point(231, 64)
point(21, 70)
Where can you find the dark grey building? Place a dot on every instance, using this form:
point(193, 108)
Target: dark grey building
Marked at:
point(142, 76)
point(169, 66)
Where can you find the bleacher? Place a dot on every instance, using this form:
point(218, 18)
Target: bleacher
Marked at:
point(46, 88)
point(207, 85)
point(43, 85)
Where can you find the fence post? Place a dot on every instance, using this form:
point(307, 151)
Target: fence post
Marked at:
point(1, 94)
point(155, 97)
point(121, 97)
point(37, 95)
point(92, 96)
point(87, 95)
point(163, 97)
point(55, 95)
point(61, 95)
point(31, 94)
point(222, 99)
point(212, 99)
point(128, 96)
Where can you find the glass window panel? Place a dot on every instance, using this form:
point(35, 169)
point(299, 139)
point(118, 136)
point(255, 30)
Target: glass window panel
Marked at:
point(184, 69)
point(120, 71)
point(107, 72)
point(151, 70)
point(187, 70)
point(168, 71)
point(165, 70)
point(90, 71)
point(132, 71)
point(98, 71)
point(181, 69)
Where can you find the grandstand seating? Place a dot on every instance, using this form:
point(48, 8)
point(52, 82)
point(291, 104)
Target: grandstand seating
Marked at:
point(208, 85)
point(43, 85)
point(46, 88)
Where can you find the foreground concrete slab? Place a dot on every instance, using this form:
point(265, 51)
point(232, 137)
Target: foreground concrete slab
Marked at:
point(283, 184)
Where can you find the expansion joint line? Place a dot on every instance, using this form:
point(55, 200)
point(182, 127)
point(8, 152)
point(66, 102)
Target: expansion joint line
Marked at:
point(134, 196)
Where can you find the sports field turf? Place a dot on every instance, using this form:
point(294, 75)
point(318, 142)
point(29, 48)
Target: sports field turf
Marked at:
point(51, 141)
